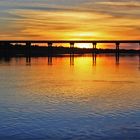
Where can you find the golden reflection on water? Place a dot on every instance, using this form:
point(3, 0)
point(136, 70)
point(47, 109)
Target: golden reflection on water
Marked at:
point(104, 87)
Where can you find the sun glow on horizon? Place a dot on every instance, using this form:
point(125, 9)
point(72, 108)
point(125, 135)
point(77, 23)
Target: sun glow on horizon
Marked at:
point(84, 45)
point(90, 45)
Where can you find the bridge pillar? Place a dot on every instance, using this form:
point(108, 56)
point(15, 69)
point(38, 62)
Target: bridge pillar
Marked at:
point(72, 47)
point(117, 52)
point(117, 46)
point(28, 44)
point(28, 49)
point(50, 44)
point(6, 46)
point(94, 47)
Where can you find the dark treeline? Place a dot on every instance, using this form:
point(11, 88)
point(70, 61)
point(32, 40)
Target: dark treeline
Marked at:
point(34, 50)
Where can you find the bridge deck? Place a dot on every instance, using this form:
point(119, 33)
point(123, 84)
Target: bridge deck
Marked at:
point(69, 41)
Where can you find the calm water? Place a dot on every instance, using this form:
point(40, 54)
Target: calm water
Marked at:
point(70, 99)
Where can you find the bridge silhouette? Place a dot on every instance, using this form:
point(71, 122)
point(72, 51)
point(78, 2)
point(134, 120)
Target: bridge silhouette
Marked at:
point(71, 42)
point(28, 50)
point(28, 47)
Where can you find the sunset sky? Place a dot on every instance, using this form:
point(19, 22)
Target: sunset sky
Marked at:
point(69, 19)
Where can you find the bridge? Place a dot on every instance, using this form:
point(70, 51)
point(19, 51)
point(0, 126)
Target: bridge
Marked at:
point(28, 48)
point(71, 42)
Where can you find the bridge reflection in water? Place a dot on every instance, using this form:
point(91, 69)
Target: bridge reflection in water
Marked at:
point(139, 61)
point(28, 60)
point(72, 58)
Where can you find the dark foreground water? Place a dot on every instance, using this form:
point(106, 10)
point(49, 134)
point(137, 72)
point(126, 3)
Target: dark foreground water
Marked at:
point(64, 98)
